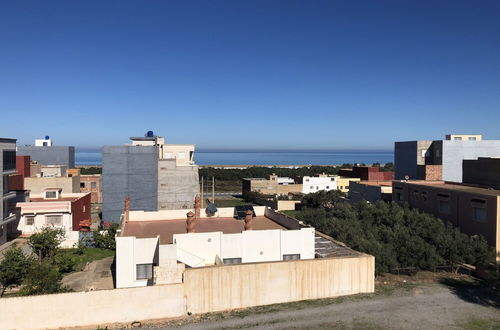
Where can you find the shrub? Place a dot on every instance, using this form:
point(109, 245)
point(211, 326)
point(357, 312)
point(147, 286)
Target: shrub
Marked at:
point(46, 242)
point(42, 278)
point(13, 268)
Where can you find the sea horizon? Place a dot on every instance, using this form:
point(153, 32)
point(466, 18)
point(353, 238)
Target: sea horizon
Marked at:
point(265, 157)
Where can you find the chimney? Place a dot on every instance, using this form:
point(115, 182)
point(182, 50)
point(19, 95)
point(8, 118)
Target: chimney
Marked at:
point(190, 222)
point(197, 206)
point(126, 209)
point(248, 220)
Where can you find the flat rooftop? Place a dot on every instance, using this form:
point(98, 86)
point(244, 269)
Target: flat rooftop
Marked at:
point(376, 183)
point(455, 187)
point(167, 228)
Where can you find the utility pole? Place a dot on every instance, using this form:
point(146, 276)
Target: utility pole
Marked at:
point(202, 192)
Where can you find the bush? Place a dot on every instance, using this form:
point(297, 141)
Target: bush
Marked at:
point(13, 268)
point(42, 278)
point(64, 262)
point(105, 239)
point(46, 242)
point(397, 236)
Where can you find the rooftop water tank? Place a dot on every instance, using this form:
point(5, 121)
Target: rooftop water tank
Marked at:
point(47, 137)
point(150, 134)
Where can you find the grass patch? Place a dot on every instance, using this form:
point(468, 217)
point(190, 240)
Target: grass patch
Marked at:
point(293, 214)
point(88, 255)
point(479, 324)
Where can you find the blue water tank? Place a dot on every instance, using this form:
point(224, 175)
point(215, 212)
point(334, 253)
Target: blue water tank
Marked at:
point(150, 134)
point(47, 137)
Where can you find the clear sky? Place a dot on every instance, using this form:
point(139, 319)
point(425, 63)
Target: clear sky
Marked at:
point(249, 74)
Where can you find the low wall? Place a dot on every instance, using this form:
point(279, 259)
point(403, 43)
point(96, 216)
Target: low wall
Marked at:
point(225, 287)
point(283, 219)
point(92, 308)
point(222, 212)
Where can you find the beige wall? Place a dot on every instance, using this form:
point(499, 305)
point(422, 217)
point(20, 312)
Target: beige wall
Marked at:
point(38, 185)
point(343, 183)
point(204, 290)
point(92, 308)
point(225, 287)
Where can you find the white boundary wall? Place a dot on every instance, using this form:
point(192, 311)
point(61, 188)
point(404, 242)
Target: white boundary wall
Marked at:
point(92, 308)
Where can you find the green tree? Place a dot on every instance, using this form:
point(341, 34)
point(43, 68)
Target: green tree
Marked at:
point(46, 242)
point(42, 278)
point(322, 198)
point(105, 239)
point(13, 268)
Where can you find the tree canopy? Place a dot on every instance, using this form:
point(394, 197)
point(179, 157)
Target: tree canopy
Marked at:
point(398, 236)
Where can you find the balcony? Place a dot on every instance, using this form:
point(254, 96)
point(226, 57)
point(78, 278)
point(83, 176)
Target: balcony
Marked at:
point(10, 217)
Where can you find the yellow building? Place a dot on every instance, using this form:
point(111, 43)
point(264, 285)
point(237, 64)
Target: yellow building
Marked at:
point(343, 183)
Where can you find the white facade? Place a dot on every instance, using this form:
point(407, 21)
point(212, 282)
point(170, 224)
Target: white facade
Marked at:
point(182, 153)
point(206, 249)
point(47, 142)
point(312, 184)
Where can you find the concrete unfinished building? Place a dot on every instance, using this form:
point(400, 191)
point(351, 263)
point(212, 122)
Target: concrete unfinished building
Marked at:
point(440, 159)
point(152, 174)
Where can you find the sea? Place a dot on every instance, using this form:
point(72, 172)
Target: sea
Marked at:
point(94, 157)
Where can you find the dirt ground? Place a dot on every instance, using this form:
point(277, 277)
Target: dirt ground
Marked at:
point(424, 301)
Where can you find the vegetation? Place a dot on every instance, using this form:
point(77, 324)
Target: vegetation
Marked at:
point(230, 179)
point(13, 268)
point(397, 236)
point(90, 170)
point(105, 239)
point(44, 275)
point(46, 243)
point(42, 278)
point(322, 198)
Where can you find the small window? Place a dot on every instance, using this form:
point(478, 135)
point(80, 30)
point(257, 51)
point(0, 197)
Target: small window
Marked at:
point(231, 260)
point(312, 187)
point(327, 187)
point(93, 185)
point(83, 209)
point(82, 184)
point(424, 196)
point(144, 271)
point(291, 257)
point(457, 138)
point(444, 207)
point(51, 194)
point(53, 220)
point(479, 214)
point(30, 220)
point(415, 194)
point(181, 155)
point(472, 138)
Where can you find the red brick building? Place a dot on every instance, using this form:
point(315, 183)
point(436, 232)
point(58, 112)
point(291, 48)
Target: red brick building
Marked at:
point(367, 173)
point(92, 184)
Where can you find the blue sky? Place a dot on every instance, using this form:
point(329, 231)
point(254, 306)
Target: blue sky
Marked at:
point(249, 74)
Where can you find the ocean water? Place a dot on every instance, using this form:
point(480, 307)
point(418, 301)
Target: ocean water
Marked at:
point(268, 158)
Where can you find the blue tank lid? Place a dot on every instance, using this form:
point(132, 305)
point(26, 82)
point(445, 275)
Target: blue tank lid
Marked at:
point(47, 137)
point(150, 134)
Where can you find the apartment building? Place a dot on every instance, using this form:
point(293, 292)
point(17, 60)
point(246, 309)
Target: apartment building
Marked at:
point(152, 174)
point(91, 183)
point(440, 159)
point(367, 173)
point(44, 152)
point(51, 176)
point(474, 210)
point(273, 185)
point(53, 208)
point(7, 167)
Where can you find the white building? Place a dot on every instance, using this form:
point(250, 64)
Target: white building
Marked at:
point(312, 184)
point(69, 212)
point(155, 245)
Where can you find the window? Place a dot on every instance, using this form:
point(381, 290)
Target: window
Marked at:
point(327, 187)
point(144, 271)
point(312, 187)
point(93, 185)
point(479, 213)
point(444, 207)
point(472, 138)
point(457, 138)
point(82, 184)
point(415, 194)
point(231, 260)
point(30, 220)
point(181, 155)
point(53, 220)
point(291, 257)
point(9, 160)
point(168, 155)
point(83, 208)
point(51, 194)
point(1, 231)
point(424, 196)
